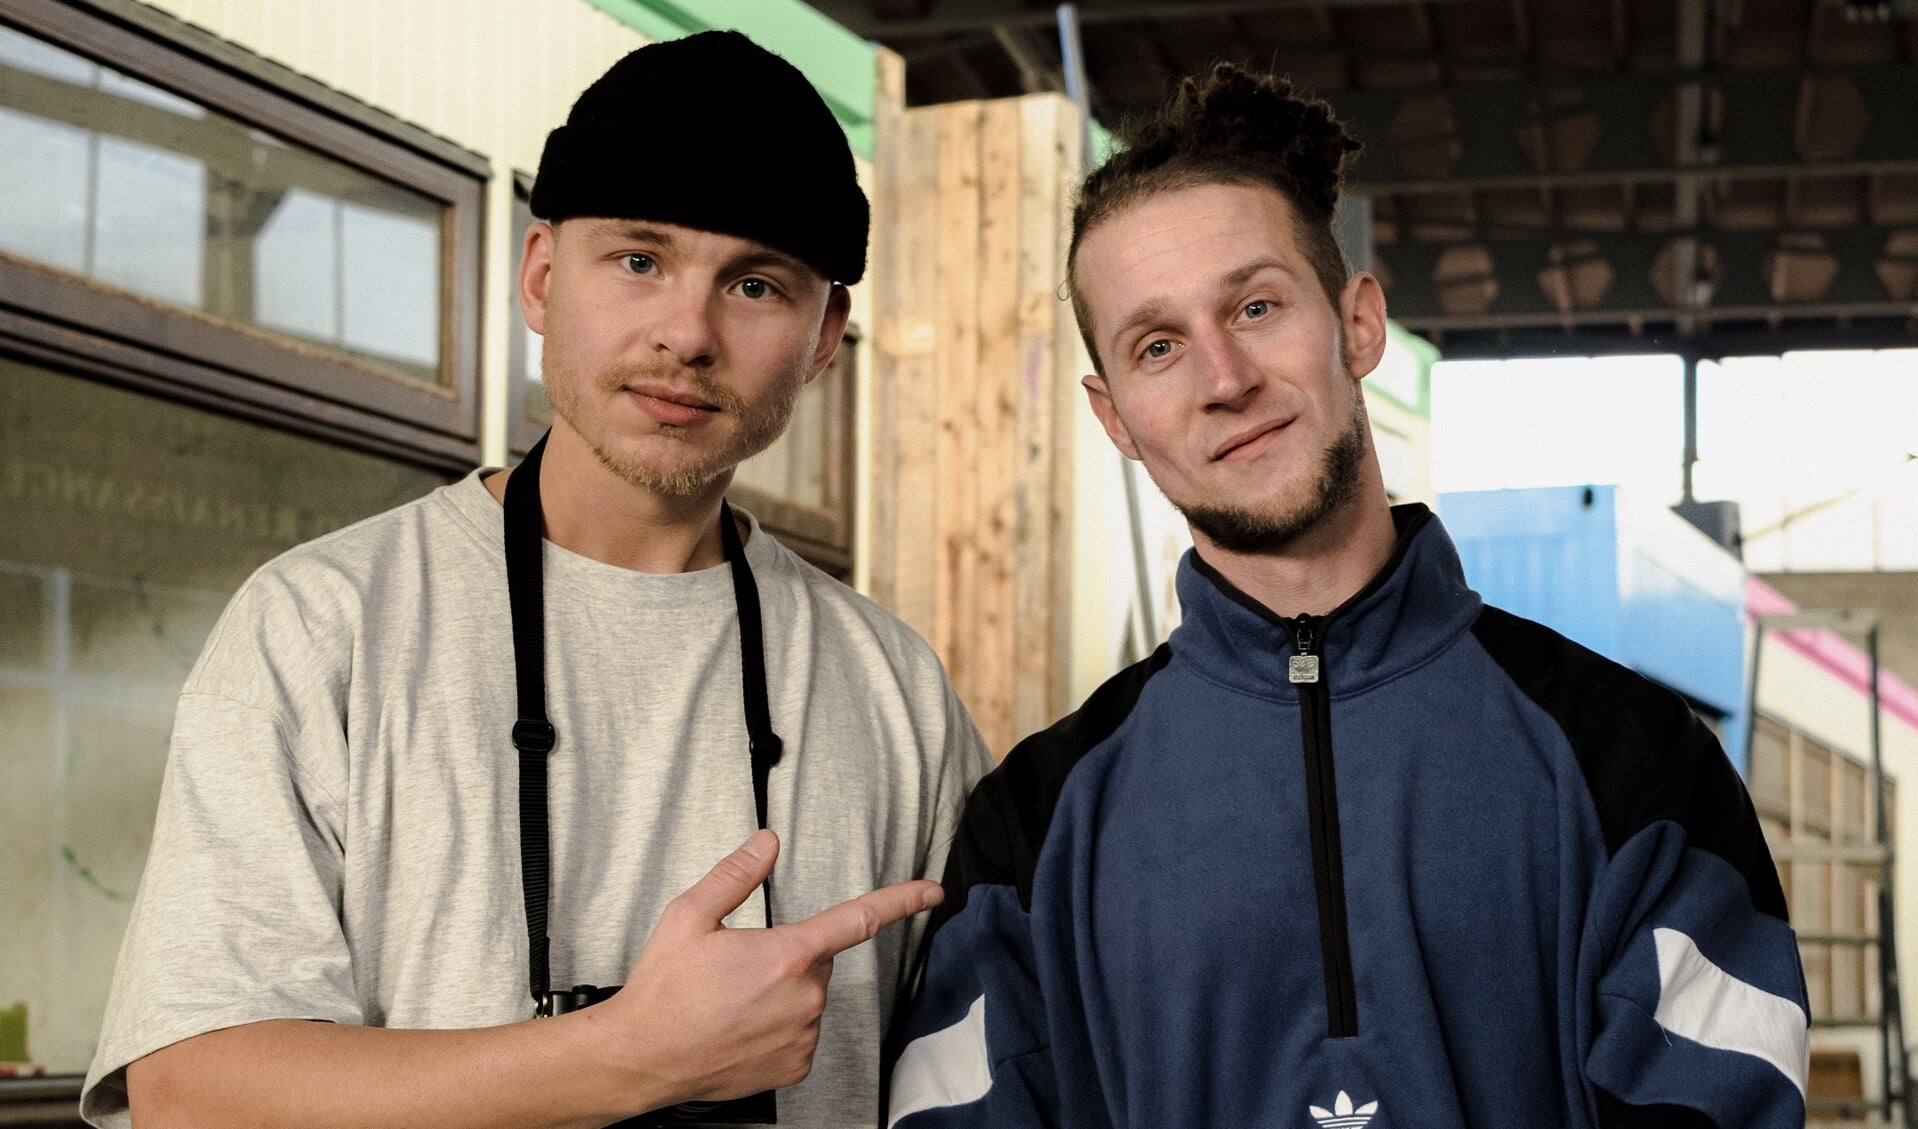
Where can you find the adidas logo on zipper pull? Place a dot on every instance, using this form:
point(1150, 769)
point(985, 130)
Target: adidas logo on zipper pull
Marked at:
point(1342, 1115)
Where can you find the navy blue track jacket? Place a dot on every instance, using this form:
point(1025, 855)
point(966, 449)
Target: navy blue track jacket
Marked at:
point(1474, 875)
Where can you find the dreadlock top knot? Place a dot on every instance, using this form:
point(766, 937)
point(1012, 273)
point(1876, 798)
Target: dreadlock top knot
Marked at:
point(1256, 117)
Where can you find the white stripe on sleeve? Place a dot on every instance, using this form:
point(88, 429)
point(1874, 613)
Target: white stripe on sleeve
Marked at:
point(1704, 1003)
point(945, 1068)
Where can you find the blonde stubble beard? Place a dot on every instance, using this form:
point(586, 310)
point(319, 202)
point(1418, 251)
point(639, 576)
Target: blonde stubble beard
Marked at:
point(758, 426)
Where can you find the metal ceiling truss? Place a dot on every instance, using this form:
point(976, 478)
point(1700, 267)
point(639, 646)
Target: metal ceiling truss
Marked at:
point(1580, 277)
point(1659, 335)
point(1614, 129)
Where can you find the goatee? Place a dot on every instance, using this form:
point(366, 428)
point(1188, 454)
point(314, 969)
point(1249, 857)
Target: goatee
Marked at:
point(1240, 529)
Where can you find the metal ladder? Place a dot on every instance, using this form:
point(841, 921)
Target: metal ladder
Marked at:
point(1894, 1056)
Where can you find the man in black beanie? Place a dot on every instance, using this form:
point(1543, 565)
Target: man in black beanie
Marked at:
point(438, 774)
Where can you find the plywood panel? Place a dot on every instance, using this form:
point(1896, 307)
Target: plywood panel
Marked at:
point(1037, 611)
point(1069, 364)
point(997, 449)
point(909, 471)
point(956, 596)
point(875, 568)
point(975, 380)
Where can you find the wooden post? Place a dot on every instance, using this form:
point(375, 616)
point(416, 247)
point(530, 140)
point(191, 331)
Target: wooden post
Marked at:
point(956, 503)
point(976, 367)
point(885, 350)
point(996, 541)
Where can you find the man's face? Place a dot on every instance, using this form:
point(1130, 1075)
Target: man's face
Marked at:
point(1228, 372)
point(675, 353)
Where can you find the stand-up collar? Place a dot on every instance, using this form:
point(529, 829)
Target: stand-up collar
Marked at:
point(1416, 606)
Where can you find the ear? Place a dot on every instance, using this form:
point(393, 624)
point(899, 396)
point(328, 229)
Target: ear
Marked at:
point(832, 329)
point(1101, 398)
point(1362, 317)
point(536, 274)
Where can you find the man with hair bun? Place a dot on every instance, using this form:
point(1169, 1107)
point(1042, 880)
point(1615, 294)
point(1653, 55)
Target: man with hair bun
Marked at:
point(1352, 850)
point(474, 760)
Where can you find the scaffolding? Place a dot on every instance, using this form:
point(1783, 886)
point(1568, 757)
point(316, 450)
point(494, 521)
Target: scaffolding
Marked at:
point(1894, 1056)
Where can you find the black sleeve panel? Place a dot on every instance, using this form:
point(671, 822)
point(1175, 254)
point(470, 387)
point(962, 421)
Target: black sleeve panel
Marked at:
point(1010, 811)
point(1006, 819)
point(1645, 755)
point(1615, 1114)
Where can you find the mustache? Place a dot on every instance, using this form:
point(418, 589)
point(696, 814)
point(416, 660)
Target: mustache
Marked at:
point(675, 376)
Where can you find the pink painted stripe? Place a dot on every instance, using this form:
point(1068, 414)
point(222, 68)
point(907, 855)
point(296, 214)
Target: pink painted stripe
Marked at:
point(1832, 652)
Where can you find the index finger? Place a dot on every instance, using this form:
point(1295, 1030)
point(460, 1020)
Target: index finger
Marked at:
point(832, 931)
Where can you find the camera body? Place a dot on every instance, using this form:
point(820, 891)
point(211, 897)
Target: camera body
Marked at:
point(755, 1109)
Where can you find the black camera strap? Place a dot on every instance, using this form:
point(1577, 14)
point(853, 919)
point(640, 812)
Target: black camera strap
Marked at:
point(533, 733)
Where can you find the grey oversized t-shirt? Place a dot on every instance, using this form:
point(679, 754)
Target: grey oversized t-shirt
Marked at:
point(337, 836)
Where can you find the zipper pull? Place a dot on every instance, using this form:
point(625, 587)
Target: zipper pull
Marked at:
point(1304, 667)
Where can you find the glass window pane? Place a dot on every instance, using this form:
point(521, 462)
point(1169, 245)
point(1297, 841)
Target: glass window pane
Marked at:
point(44, 182)
point(390, 284)
point(129, 523)
point(524, 351)
point(149, 222)
point(794, 467)
point(143, 191)
point(31, 56)
point(298, 244)
point(113, 82)
point(535, 375)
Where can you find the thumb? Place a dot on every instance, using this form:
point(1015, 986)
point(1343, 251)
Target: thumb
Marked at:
point(730, 883)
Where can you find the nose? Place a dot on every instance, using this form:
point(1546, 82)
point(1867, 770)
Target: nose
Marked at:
point(683, 326)
point(1229, 378)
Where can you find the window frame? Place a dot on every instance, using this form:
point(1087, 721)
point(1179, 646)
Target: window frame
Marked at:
point(525, 423)
point(64, 320)
point(822, 534)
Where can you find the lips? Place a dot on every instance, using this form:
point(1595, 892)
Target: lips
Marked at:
point(1242, 443)
point(670, 405)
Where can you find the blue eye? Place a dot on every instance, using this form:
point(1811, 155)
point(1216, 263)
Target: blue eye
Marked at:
point(1257, 309)
point(1159, 349)
point(640, 264)
point(755, 288)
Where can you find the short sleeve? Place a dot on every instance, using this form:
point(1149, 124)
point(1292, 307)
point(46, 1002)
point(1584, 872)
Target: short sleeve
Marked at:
point(963, 760)
point(237, 919)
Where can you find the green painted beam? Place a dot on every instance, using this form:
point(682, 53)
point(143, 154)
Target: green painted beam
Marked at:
point(840, 65)
point(1103, 144)
point(1425, 354)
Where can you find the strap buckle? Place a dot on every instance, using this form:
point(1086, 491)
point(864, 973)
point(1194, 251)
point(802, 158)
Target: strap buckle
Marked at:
point(534, 735)
point(767, 750)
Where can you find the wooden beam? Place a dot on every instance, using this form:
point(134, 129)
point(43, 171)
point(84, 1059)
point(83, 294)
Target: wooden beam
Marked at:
point(1067, 363)
point(913, 340)
point(1037, 611)
point(880, 487)
point(996, 463)
point(956, 503)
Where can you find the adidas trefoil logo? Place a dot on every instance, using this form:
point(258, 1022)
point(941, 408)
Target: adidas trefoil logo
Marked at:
point(1342, 1115)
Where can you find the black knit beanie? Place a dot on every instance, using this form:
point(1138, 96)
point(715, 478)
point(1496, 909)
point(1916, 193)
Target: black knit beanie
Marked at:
point(715, 132)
